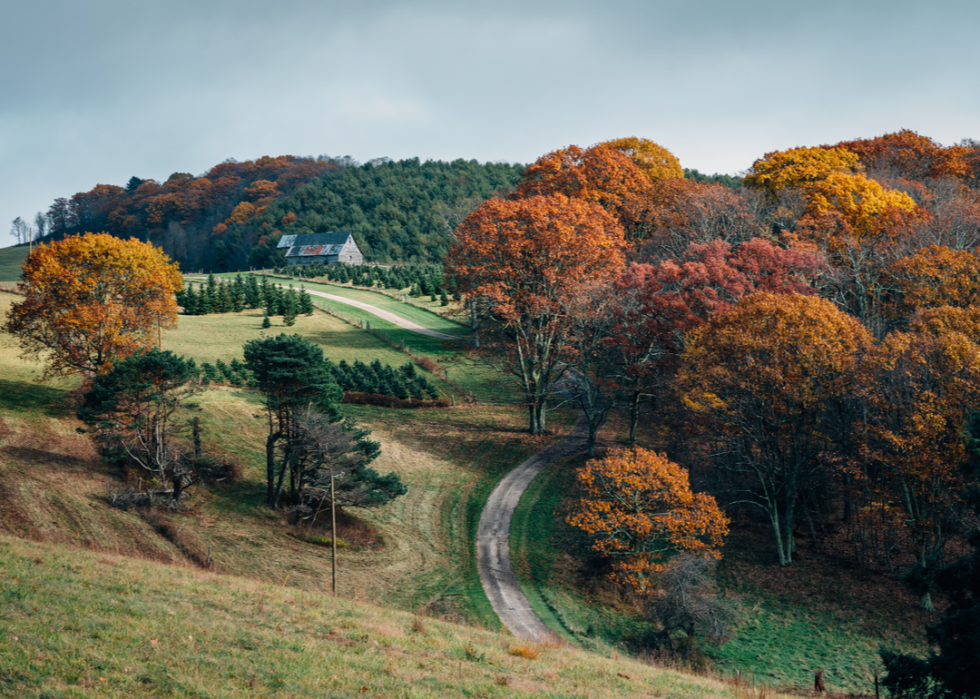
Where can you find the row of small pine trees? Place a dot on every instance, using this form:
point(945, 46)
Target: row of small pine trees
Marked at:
point(404, 382)
point(241, 293)
point(380, 379)
point(421, 280)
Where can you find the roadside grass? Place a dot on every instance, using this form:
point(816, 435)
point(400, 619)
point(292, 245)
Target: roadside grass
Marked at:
point(796, 621)
point(134, 628)
point(11, 260)
point(419, 555)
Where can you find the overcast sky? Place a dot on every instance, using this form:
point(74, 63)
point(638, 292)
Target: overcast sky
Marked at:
point(95, 91)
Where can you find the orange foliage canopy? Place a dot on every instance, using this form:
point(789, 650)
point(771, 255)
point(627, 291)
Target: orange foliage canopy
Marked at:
point(91, 300)
point(654, 160)
point(523, 258)
point(640, 508)
point(800, 167)
point(910, 155)
point(764, 375)
point(597, 174)
point(937, 276)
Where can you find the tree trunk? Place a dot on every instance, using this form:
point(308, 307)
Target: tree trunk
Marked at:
point(536, 418)
point(270, 470)
point(634, 415)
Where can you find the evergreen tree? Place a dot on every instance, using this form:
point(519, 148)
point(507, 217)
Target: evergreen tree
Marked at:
point(204, 302)
point(266, 323)
point(443, 299)
point(289, 308)
point(305, 303)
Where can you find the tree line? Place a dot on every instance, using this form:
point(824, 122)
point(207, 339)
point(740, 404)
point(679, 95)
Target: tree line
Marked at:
point(231, 217)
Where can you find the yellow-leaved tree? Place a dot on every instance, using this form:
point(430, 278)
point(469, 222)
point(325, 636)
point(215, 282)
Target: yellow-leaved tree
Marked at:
point(90, 300)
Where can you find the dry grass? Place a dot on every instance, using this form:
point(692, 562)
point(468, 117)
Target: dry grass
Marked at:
point(133, 628)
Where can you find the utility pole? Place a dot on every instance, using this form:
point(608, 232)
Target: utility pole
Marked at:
point(333, 538)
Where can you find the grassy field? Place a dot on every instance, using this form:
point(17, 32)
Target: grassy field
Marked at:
point(135, 628)
point(10, 261)
point(419, 551)
point(814, 616)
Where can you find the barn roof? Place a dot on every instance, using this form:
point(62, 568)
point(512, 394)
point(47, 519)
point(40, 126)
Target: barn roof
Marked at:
point(308, 239)
point(314, 250)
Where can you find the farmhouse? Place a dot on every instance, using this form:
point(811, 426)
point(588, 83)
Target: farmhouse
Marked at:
point(321, 248)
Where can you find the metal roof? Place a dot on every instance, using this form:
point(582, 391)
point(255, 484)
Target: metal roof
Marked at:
point(308, 239)
point(314, 250)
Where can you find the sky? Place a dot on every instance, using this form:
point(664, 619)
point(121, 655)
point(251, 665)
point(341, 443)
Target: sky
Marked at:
point(96, 91)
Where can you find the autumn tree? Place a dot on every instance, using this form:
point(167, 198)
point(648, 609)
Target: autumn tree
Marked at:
point(91, 300)
point(598, 174)
point(919, 391)
point(764, 377)
point(674, 213)
point(522, 258)
point(639, 508)
point(936, 276)
point(658, 305)
point(656, 162)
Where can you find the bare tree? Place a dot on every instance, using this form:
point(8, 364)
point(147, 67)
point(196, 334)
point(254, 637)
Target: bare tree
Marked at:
point(19, 230)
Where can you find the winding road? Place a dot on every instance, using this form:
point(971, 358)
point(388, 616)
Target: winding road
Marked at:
point(493, 539)
point(493, 535)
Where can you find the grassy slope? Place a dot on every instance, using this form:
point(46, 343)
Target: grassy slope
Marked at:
point(811, 617)
point(10, 261)
point(133, 628)
point(53, 484)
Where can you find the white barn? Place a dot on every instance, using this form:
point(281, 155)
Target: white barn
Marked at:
point(321, 248)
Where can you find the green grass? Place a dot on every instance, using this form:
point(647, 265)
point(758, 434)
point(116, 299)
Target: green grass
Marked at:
point(78, 624)
point(11, 260)
point(813, 617)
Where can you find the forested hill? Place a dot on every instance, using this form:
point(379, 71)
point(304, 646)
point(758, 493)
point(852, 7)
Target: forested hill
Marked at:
point(398, 210)
point(232, 216)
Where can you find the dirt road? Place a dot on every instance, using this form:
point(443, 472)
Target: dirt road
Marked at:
point(387, 315)
point(493, 539)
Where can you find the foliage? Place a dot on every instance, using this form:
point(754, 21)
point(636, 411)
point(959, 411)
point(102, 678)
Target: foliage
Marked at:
point(656, 162)
point(329, 450)
point(396, 210)
point(658, 305)
point(378, 379)
point(521, 258)
point(290, 373)
point(91, 300)
point(764, 377)
point(799, 167)
point(640, 509)
point(138, 409)
point(919, 390)
point(936, 276)
point(909, 155)
point(598, 174)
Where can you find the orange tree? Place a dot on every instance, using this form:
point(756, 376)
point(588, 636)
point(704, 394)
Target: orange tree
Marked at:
point(91, 300)
point(936, 276)
point(596, 174)
point(524, 258)
point(764, 377)
point(639, 508)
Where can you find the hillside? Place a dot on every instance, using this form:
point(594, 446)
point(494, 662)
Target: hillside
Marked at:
point(136, 628)
point(231, 217)
point(10, 261)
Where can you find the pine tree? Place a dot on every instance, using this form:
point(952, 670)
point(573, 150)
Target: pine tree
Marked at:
point(443, 299)
point(266, 323)
point(305, 303)
point(205, 302)
point(289, 308)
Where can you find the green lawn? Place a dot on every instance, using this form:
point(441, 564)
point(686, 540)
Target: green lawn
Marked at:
point(10, 261)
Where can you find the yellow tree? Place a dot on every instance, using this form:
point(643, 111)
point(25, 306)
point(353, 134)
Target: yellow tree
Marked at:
point(639, 508)
point(764, 377)
point(91, 300)
point(524, 258)
point(654, 160)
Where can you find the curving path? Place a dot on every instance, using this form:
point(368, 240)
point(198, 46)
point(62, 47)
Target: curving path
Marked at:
point(493, 539)
point(392, 318)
